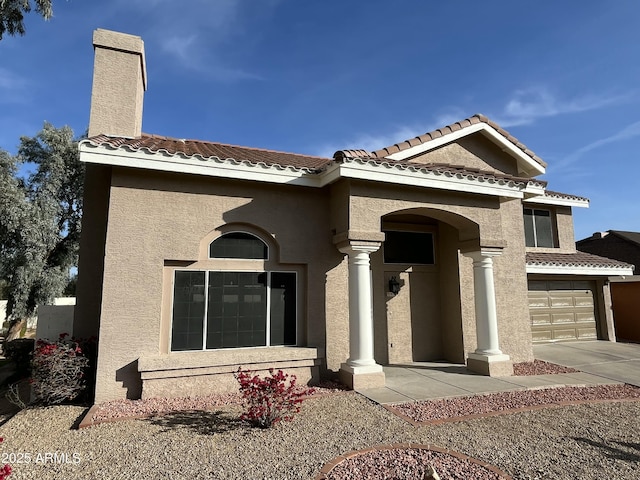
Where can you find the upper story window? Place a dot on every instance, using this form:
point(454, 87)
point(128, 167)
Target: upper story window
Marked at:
point(411, 248)
point(538, 228)
point(239, 245)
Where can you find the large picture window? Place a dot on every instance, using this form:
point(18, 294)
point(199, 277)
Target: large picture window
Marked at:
point(538, 228)
point(213, 310)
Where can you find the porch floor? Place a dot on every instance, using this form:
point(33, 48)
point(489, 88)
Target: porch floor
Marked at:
point(599, 362)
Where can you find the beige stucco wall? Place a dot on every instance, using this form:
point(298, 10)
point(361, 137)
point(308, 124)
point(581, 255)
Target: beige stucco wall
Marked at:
point(475, 151)
point(564, 224)
point(511, 285)
point(156, 219)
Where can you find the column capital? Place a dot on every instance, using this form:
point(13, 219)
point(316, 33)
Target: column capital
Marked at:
point(354, 247)
point(484, 253)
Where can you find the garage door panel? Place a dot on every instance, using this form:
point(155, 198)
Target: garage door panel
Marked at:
point(587, 333)
point(542, 335)
point(535, 301)
point(541, 319)
point(564, 317)
point(558, 301)
point(562, 310)
point(586, 301)
point(564, 334)
point(587, 317)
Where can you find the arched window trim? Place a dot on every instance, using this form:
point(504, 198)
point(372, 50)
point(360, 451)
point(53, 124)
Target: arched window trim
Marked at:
point(266, 257)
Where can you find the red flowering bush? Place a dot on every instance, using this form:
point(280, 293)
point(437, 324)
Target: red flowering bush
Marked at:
point(270, 399)
point(58, 370)
point(5, 470)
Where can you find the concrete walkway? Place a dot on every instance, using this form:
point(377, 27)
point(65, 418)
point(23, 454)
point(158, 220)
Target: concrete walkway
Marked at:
point(614, 361)
point(600, 363)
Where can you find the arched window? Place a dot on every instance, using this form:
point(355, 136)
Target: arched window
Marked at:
point(238, 245)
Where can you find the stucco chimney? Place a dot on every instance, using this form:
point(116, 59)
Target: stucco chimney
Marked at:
point(119, 82)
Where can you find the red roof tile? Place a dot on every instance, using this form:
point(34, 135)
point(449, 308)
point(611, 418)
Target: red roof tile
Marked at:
point(578, 259)
point(475, 119)
point(441, 168)
point(549, 193)
point(175, 146)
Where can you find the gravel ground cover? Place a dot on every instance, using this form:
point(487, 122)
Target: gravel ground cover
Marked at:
point(156, 406)
point(540, 367)
point(409, 463)
point(452, 408)
point(591, 441)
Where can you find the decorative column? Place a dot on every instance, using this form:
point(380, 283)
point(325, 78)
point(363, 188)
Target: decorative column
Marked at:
point(361, 370)
point(488, 359)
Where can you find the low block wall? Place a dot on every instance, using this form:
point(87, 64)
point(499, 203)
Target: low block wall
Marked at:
point(54, 320)
point(186, 374)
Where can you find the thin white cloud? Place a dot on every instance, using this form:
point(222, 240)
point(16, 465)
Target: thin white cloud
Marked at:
point(627, 133)
point(399, 134)
point(525, 106)
point(198, 35)
point(179, 46)
point(188, 50)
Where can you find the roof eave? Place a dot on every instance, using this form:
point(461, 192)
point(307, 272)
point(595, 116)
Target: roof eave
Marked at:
point(559, 201)
point(579, 270)
point(412, 175)
point(198, 165)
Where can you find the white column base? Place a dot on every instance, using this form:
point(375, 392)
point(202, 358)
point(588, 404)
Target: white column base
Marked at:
point(362, 377)
point(490, 365)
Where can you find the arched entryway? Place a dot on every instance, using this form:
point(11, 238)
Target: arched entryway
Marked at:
point(416, 283)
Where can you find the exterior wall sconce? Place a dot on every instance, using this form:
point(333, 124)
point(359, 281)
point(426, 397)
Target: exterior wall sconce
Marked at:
point(394, 285)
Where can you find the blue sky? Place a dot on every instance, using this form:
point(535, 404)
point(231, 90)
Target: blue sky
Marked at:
point(315, 77)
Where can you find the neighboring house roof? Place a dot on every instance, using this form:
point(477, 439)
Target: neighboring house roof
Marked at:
point(633, 237)
point(538, 262)
point(440, 133)
point(209, 150)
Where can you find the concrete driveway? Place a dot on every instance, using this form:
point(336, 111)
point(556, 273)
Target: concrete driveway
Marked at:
point(614, 361)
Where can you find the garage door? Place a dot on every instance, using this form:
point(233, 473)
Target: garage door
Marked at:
point(562, 310)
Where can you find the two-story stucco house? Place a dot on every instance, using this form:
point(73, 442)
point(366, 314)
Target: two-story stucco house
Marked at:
point(199, 257)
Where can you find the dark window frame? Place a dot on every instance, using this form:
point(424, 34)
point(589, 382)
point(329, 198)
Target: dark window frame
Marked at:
point(392, 250)
point(533, 224)
point(222, 242)
point(289, 338)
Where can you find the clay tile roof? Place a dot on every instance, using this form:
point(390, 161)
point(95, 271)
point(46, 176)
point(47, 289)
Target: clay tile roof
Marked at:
point(362, 156)
point(549, 193)
point(475, 119)
point(190, 148)
point(578, 259)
